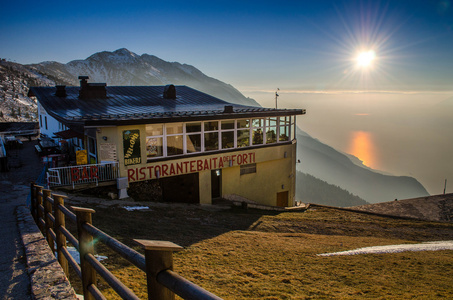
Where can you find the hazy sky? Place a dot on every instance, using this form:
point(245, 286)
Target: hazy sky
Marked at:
point(308, 49)
point(254, 45)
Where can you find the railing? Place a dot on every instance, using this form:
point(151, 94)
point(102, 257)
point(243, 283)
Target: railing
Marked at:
point(82, 174)
point(50, 214)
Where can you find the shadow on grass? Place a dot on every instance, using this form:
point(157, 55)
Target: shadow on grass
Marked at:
point(183, 224)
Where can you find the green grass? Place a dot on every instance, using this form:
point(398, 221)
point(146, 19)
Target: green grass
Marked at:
point(251, 254)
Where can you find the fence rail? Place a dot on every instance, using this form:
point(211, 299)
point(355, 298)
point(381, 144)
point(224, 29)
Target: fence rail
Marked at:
point(82, 174)
point(163, 283)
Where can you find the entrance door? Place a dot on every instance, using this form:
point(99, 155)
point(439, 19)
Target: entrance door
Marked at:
point(216, 179)
point(282, 199)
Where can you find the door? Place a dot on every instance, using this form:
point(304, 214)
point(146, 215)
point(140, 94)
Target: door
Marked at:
point(282, 199)
point(216, 179)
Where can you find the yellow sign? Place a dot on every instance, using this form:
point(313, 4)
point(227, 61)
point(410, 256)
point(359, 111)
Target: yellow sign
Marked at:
point(82, 157)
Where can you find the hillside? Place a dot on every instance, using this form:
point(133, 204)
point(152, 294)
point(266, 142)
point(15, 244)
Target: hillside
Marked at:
point(326, 163)
point(433, 208)
point(313, 190)
point(15, 80)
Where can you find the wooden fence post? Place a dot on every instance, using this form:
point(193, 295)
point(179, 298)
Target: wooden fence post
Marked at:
point(85, 246)
point(158, 257)
point(39, 214)
point(61, 238)
point(48, 222)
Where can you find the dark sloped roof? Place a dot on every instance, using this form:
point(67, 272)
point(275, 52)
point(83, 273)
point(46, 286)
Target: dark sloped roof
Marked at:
point(143, 104)
point(18, 127)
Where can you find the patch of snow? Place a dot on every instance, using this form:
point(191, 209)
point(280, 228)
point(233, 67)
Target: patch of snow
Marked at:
point(75, 254)
point(428, 246)
point(131, 208)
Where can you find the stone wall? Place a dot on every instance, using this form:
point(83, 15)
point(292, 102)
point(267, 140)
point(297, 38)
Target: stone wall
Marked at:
point(47, 278)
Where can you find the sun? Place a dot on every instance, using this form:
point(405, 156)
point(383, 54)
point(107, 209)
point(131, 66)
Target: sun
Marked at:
point(366, 58)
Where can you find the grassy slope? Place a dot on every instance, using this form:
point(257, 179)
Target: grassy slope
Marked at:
point(252, 255)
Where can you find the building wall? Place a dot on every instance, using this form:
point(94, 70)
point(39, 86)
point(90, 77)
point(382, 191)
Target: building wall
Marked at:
point(47, 124)
point(274, 174)
point(275, 167)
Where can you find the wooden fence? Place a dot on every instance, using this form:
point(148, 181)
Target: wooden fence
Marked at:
point(163, 283)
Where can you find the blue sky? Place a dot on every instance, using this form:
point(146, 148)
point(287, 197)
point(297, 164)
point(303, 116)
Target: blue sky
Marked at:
point(253, 45)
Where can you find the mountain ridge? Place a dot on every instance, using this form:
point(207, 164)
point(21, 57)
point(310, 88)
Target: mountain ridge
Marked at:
point(123, 67)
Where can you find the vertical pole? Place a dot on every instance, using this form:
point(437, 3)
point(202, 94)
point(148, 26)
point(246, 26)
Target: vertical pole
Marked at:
point(85, 246)
point(38, 207)
point(47, 221)
point(61, 238)
point(158, 257)
point(445, 186)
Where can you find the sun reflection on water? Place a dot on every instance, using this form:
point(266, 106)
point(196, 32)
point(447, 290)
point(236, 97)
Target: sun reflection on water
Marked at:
point(362, 146)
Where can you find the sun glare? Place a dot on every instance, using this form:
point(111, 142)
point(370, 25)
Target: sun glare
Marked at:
point(366, 58)
point(362, 146)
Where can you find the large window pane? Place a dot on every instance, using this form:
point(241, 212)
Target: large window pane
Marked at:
point(244, 123)
point(174, 145)
point(227, 139)
point(211, 141)
point(193, 143)
point(243, 138)
point(271, 121)
point(154, 147)
point(257, 136)
point(210, 126)
point(193, 127)
point(257, 122)
point(154, 129)
point(284, 120)
point(284, 133)
point(174, 128)
point(229, 124)
point(271, 135)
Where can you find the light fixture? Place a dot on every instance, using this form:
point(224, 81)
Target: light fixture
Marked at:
point(104, 138)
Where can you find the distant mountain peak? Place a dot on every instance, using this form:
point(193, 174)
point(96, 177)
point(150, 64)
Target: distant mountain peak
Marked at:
point(124, 67)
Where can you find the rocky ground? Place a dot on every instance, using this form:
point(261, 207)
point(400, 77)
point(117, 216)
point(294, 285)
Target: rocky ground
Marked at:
point(432, 208)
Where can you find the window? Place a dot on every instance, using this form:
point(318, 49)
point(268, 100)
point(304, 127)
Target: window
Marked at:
point(243, 135)
point(271, 130)
point(45, 119)
point(211, 135)
point(283, 133)
point(257, 131)
point(163, 140)
point(227, 134)
point(40, 121)
point(174, 133)
point(193, 138)
point(154, 140)
point(248, 169)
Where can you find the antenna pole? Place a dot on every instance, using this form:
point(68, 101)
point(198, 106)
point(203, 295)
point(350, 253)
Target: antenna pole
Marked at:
point(276, 96)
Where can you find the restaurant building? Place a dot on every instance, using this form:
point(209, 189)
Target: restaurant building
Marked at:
point(197, 147)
